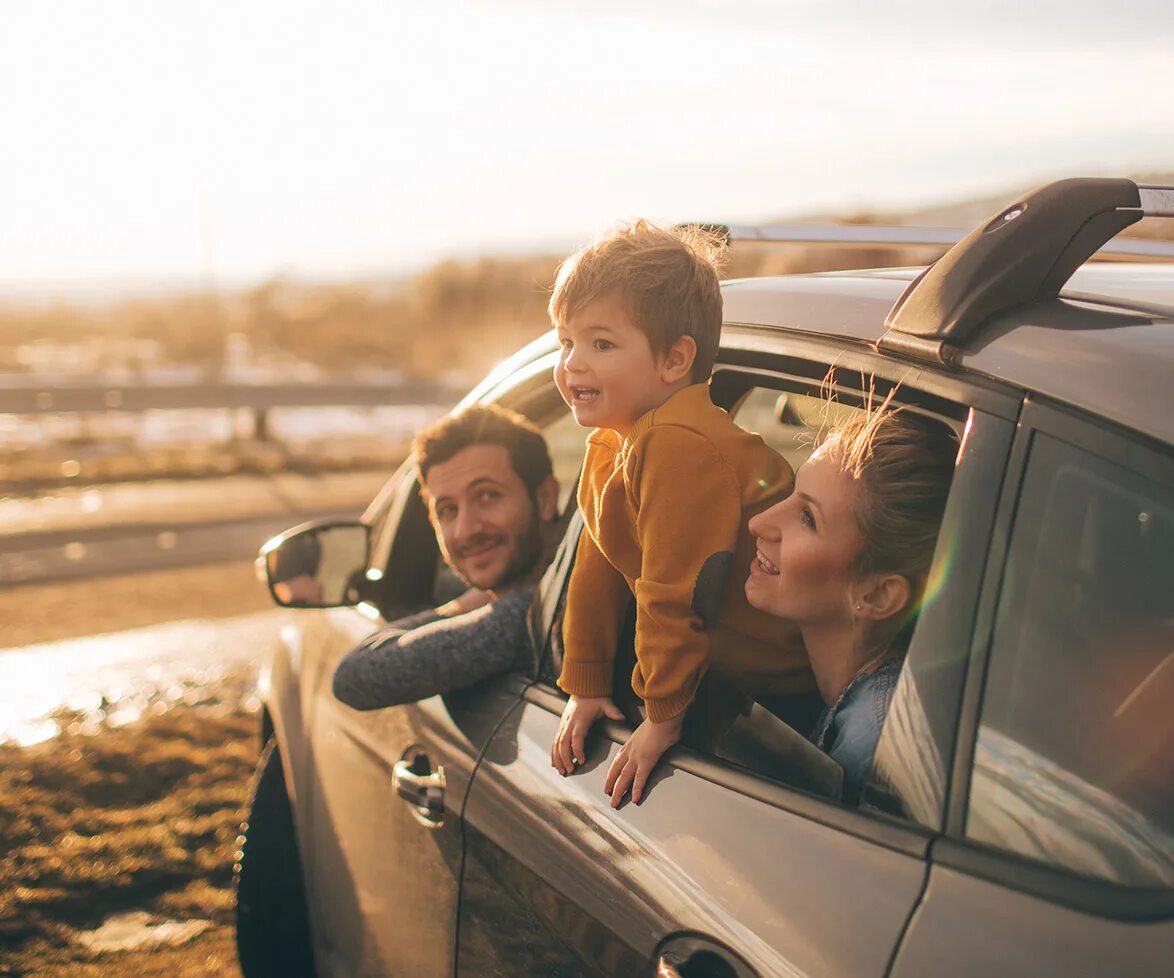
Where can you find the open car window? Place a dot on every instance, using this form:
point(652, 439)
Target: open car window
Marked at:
point(772, 738)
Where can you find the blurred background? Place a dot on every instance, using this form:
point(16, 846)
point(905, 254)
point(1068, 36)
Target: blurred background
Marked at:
point(247, 250)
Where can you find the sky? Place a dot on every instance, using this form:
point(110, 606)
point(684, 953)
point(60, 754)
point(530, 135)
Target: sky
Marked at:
point(219, 143)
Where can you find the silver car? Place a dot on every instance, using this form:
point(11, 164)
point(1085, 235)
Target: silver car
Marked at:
point(1019, 817)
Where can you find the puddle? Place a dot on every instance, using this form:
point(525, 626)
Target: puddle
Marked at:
point(86, 684)
point(138, 930)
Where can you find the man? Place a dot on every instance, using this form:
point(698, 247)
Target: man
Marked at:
point(492, 498)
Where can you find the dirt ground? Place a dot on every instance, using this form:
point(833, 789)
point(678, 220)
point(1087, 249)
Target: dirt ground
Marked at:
point(47, 612)
point(136, 818)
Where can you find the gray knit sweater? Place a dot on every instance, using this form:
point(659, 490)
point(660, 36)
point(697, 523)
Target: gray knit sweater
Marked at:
point(425, 654)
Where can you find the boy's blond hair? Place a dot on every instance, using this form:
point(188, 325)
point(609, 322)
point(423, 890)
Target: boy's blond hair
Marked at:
point(667, 279)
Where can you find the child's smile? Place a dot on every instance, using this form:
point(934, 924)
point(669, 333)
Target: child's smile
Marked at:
point(607, 371)
point(584, 394)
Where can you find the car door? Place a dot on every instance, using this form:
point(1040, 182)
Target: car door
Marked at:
point(721, 870)
point(1059, 854)
point(386, 789)
point(387, 786)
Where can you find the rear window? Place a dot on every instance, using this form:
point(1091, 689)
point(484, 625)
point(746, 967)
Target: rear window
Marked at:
point(1073, 760)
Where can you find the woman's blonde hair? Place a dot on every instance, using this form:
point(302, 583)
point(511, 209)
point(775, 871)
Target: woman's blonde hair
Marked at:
point(903, 463)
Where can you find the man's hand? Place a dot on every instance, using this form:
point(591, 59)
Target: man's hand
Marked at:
point(578, 716)
point(637, 758)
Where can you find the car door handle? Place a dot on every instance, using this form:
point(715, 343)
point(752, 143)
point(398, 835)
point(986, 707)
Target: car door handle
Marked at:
point(425, 791)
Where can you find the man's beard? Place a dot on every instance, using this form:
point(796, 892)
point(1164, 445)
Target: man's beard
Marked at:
point(530, 548)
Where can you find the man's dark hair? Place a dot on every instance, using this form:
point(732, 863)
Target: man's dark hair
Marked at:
point(485, 424)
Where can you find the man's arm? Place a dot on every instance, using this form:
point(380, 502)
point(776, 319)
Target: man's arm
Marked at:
point(395, 666)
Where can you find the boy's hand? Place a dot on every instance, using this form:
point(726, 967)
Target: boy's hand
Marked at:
point(578, 716)
point(637, 758)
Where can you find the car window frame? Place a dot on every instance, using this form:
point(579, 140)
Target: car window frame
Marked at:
point(398, 514)
point(1103, 898)
point(761, 358)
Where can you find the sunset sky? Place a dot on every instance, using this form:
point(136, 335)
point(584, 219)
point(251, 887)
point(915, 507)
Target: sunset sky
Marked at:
point(227, 142)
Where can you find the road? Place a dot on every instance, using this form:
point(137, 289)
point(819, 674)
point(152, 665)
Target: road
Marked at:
point(130, 527)
point(136, 597)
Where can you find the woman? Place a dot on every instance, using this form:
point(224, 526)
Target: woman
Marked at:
point(846, 557)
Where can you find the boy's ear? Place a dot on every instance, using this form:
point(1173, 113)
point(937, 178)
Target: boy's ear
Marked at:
point(677, 362)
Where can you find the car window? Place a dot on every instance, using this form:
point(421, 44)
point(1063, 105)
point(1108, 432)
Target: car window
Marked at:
point(771, 737)
point(789, 421)
point(566, 440)
point(1073, 759)
point(539, 400)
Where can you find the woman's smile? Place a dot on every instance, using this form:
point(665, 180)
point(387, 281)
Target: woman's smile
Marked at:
point(763, 565)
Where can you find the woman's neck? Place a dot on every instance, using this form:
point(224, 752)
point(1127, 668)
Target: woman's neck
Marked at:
point(838, 655)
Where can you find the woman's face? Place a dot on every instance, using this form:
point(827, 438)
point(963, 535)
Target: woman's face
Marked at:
point(807, 546)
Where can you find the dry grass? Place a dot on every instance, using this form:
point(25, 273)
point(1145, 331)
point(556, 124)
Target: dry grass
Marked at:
point(143, 817)
point(455, 315)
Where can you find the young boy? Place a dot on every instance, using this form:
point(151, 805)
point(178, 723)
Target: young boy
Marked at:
point(669, 483)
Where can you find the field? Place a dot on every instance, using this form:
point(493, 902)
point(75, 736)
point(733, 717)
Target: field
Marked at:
point(136, 823)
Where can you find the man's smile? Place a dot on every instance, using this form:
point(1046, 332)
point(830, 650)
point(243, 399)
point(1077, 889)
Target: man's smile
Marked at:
point(480, 546)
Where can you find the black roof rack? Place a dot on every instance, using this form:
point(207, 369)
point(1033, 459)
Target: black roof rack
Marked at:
point(1023, 254)
point(887, 236)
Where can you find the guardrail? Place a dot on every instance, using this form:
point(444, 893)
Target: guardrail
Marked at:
point(69, 398)
point(64, 398)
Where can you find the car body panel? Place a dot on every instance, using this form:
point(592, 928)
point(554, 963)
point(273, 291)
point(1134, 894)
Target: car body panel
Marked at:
point(968, 927)
point(280, 687)
point(694, 857)
point(1101, 359)
point(378, 871)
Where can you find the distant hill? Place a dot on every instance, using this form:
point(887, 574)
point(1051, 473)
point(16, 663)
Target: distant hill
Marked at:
point(969, 213)
point(456, 318)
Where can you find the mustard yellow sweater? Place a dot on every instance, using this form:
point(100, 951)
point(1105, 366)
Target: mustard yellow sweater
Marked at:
point(666, 511)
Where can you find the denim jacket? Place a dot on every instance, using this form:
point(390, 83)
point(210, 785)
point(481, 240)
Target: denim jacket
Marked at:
point(849, 729)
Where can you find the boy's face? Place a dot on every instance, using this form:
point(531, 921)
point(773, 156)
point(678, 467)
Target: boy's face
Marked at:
point(607, 371)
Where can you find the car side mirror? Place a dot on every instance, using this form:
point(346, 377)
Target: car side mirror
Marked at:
point(317, 565)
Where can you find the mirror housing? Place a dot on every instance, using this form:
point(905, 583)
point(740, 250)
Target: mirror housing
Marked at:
point(321, 564)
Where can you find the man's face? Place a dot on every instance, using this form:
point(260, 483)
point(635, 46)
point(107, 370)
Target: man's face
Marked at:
point(488, 527)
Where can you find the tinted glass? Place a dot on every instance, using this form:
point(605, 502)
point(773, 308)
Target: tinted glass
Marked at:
point(1073, 761)
point(789, 422)
point(567, 442)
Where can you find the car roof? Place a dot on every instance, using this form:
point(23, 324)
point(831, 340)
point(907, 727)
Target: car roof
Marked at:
point(1106, 346)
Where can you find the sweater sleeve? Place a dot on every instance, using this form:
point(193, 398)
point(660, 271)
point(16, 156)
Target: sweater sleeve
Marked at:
point(689, 510)
point(393, 666)
point(597, 596)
